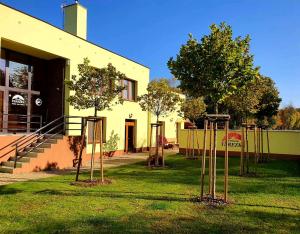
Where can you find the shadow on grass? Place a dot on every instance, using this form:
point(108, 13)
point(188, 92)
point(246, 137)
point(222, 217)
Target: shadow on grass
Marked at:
point(4, 190)
point(116, 194)
point(160, 222)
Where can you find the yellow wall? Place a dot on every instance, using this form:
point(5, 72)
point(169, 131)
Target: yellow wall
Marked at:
point(24, 33)
point(281, 142)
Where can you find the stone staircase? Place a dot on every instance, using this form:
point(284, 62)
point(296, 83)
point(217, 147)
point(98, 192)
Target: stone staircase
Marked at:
point(33, 151)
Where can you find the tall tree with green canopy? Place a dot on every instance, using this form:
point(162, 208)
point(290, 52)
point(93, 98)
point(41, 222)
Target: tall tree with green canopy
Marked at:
point(216, 67)
point(96, 88)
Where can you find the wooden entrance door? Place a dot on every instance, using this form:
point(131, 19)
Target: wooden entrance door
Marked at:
point(129, 136)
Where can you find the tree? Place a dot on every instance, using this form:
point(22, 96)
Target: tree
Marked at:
point(269, 101)
point(160, 100)
point(288, 118)
point(193, 108)
point(257, 99)
point(96, 88)
point(216, 67)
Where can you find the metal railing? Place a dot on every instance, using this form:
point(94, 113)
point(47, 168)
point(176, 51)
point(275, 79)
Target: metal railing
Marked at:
point(27, 143)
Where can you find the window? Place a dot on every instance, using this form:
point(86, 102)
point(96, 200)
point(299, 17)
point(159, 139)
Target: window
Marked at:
point(18, 75)
point(2, 72)
point(129, 92)
point(97, 137)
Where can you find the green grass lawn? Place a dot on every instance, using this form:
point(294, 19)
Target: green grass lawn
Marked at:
point(143, 200)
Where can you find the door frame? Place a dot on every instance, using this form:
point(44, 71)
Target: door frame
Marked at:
point(131, 123)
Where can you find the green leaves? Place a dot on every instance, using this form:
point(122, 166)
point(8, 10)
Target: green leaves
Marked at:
point(193, 108)
point(216, 67)
point(95, 87)
point(161, 100)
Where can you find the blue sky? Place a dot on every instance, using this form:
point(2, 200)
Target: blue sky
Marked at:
point(151, 31)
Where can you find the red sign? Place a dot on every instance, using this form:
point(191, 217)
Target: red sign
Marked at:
point(234, 139)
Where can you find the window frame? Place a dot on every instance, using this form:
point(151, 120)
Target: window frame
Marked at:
point(135, 85)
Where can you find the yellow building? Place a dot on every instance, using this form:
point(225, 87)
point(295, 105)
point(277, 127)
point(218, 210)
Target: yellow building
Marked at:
point(36, 58)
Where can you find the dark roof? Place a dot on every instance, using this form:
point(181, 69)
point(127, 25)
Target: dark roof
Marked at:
point(72, 34)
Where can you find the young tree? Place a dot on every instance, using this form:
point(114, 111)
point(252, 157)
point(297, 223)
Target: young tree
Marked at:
point(216, 67)
point(96, 88)
point(193, 109)
point(160, 100)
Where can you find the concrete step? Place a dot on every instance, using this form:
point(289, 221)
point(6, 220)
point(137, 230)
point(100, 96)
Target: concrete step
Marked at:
point(59, 136)
point(23, 159)
point(30, 154)
point(35, 150)
point(12, 164)
point(5, 169)
point(43, 145)
point(51, 141)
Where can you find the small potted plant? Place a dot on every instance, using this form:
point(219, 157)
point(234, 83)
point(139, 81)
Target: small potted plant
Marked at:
point(111, 145)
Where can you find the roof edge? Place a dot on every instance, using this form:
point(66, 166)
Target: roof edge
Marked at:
point(1, 3)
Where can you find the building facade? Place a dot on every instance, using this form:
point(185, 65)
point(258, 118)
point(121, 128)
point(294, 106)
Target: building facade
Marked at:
point(36, 58)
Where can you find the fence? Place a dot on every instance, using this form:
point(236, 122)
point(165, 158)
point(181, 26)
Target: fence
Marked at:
point(283, 144)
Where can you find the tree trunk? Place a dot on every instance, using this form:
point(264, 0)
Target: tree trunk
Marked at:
point(157, 144)
point(216, 108)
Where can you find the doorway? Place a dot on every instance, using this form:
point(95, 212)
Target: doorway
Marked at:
point(130, 127)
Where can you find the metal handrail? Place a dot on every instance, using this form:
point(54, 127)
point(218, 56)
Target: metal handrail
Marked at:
point(22, 138)
point(25, 141)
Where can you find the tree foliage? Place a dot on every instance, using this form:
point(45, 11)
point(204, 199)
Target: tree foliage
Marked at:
point(96, 88)
point(160, 100)
point(216, 67)
point(257, 99)
point(269, 101)
point(193, 108)
point(288, 118)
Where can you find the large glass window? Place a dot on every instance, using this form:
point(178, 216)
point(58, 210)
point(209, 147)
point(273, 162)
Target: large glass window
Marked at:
point(18, 75)
point(21, 90)
point(129, 92)
point(17, 111)
point(2, 72)
point(1, 109)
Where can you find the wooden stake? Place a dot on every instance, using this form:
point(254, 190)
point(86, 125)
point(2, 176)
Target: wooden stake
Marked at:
point(247, 150)
point(226, 162)
point(262, 145)
point(242, 165)
point(149, 159)
point(258, 144)
point(255, 148)
point(93, 150)
point(210, 158)
point(214, 166)
point(162, 145)
point(268, 144)
point(101, 153)
point(84, 123)
point(198, 144)
point(203, 158)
